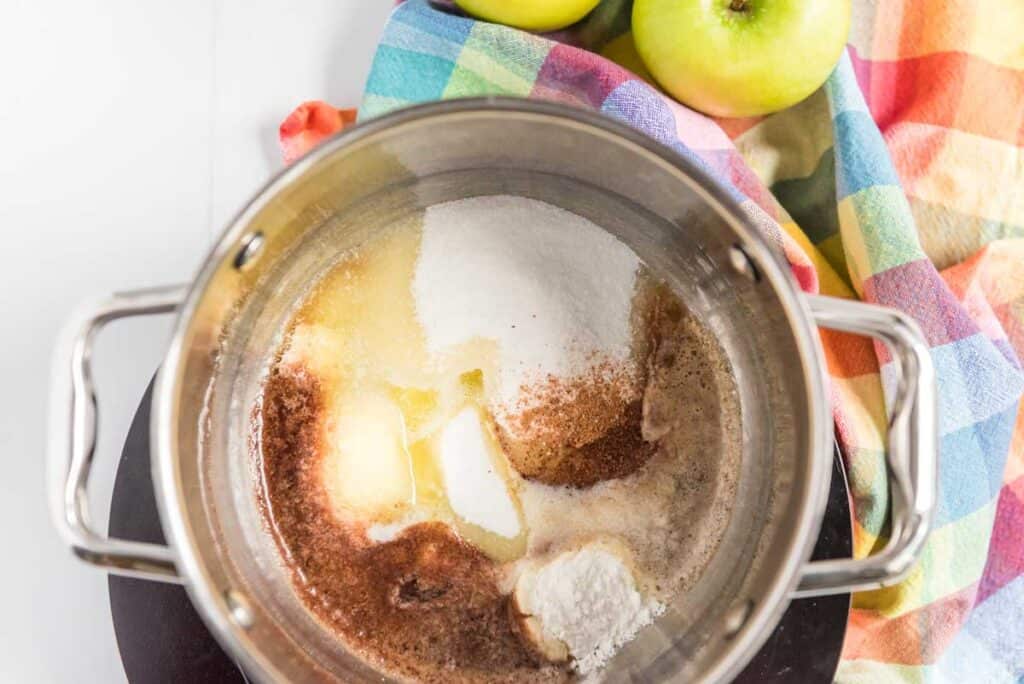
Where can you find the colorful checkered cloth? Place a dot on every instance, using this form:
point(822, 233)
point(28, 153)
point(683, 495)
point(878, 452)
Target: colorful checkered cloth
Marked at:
point(908, 160)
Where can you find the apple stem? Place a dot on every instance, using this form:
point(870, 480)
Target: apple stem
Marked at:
point(738, 5)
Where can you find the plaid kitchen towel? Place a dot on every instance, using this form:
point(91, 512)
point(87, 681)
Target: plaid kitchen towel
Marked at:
point(900, 182)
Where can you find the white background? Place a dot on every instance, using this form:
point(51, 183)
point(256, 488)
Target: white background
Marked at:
point(130, 132)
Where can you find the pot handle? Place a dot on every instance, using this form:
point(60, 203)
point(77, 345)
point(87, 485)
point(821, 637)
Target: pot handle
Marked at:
point(911, 458)
point(73, 442)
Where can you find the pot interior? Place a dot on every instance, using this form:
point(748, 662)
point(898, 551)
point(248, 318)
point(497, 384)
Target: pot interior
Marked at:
point(366, 180)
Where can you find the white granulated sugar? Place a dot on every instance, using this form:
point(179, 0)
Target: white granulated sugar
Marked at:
point(589, 601)
point(476, 491)
point(552, 288)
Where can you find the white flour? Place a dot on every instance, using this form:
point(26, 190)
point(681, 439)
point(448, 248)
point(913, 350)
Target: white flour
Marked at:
point(552, 288)
point(588, 600)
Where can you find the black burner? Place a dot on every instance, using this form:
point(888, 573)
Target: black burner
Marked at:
point(162, 639)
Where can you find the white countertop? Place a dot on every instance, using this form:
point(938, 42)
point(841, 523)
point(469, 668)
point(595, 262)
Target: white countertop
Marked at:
point(129, 133)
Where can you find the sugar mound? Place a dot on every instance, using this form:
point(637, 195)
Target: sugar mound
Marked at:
point(552, 288)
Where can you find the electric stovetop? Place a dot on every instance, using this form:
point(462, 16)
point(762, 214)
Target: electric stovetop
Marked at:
point(162, 639)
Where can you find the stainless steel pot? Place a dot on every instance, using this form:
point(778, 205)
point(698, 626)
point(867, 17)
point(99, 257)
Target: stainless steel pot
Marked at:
point(686, 228)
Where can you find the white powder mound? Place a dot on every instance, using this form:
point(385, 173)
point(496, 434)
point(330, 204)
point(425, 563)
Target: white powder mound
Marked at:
point(552, 288)
point(588, 601)
point(476, 491)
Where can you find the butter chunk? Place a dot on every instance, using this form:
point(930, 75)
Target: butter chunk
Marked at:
point(368, 469)
point(473, 482)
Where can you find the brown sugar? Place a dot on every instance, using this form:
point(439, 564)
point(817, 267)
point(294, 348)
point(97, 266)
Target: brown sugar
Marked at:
point(603, 424)
point(578, 432)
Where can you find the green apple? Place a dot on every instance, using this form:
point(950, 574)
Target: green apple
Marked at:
point(622, 51)
point(532, 15)
point(740, 57)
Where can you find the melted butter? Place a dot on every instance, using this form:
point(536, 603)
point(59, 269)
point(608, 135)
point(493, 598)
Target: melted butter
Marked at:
point(388, 398)
point(420, 408)
point(426, 471)
point(472, 384)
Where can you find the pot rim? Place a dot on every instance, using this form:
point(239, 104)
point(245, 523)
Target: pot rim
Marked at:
point(216, 610)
